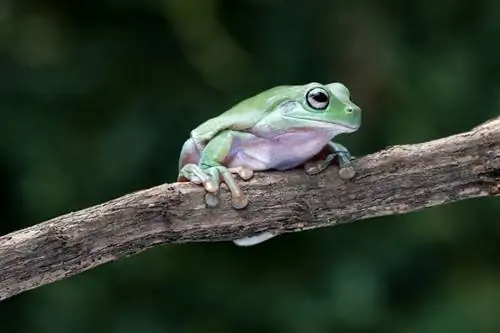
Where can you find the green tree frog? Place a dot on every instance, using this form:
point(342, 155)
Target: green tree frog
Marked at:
point(280, 128)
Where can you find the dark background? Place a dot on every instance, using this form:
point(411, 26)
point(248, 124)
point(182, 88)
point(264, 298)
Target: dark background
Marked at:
point(97, 97)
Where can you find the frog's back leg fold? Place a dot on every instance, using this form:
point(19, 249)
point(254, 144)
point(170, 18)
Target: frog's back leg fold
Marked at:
point(189, 155)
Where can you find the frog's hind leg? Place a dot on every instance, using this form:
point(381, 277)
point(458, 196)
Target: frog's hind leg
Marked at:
point(190, 171)
point(189, 155)
point(209, 169)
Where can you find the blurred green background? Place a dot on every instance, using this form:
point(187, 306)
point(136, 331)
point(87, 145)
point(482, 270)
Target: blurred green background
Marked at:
point(97, 97)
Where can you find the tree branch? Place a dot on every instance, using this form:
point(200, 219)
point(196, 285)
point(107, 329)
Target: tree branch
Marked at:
point(397, 180)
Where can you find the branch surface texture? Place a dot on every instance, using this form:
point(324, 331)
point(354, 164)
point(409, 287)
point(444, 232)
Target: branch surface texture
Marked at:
point(397, 180)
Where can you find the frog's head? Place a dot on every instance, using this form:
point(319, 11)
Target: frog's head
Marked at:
point(320, 106)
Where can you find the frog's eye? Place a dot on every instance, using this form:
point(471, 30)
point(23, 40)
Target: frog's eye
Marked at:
point(318, 98)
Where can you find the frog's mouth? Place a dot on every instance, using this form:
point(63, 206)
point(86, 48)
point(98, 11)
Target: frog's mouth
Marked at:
point(339, 125)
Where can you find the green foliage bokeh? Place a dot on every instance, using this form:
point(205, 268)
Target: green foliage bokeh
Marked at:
point(97, 97)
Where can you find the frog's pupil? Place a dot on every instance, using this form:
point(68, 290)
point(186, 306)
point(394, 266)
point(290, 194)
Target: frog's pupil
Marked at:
point(320, 97)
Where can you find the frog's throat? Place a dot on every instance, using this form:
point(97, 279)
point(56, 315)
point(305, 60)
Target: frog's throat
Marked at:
point(342, 127)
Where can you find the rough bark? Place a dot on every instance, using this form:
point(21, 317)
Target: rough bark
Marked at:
point(397, 180)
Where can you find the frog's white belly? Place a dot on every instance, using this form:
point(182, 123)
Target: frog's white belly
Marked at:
point(283, 152)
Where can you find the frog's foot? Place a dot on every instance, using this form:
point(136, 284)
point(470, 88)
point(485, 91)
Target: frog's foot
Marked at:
point(238, 198)
point(198, 176)
point(210, 177)
point(254, 240)
point(346, 171)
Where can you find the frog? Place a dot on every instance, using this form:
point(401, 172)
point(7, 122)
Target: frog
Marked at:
point(281, 128)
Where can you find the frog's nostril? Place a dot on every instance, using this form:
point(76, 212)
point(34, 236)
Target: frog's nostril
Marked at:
point(350, 109)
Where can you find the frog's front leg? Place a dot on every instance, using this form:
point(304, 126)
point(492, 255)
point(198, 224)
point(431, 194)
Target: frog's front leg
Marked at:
point(346, 170)
point(210, 171)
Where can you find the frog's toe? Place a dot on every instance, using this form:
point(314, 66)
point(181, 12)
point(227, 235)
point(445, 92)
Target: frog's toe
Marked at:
point(210, 186)
point(212, 182)
point(211, 199)
point(239, 201)
point(312, 168)
point(347, 172)
point(244, 173)
point(238, 198)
